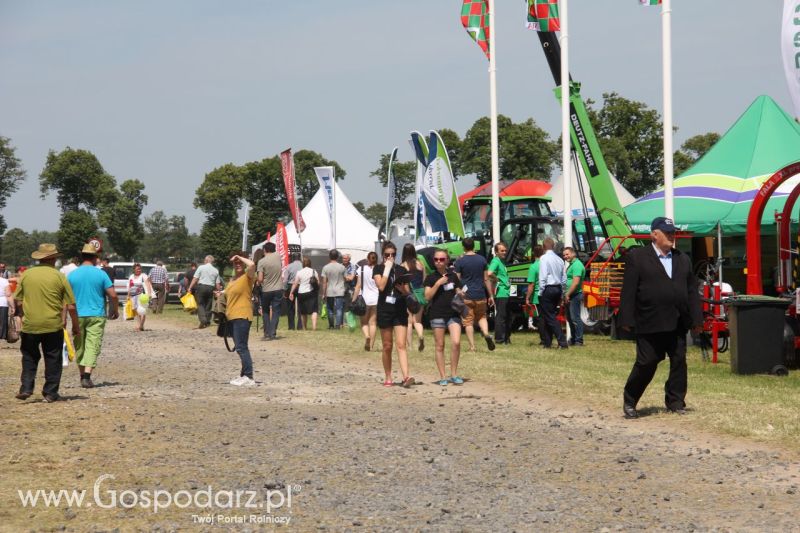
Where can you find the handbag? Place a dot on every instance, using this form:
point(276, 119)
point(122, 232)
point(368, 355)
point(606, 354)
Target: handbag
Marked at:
point(412, 303)
point(359, 306)
point(12, 333)
point(188, 301)
point(459, 306)
point(129, 312)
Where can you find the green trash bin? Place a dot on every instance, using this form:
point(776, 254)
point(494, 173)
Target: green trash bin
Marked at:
point(756, 334)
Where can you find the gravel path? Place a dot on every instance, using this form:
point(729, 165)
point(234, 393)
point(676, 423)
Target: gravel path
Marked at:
point(357, 456)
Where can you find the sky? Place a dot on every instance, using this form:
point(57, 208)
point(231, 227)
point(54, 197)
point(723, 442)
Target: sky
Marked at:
point(165, 92)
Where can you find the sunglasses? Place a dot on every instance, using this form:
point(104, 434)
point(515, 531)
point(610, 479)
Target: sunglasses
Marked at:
point(440, 259)
point(389, 255)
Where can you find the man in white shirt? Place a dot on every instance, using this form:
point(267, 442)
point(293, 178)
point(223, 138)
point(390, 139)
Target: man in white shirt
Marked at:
point(552, 279)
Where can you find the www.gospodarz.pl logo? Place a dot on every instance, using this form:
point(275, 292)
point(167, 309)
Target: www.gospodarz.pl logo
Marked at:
point(266, 501)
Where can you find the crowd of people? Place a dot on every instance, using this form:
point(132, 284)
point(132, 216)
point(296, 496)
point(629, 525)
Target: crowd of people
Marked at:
point(391, 296)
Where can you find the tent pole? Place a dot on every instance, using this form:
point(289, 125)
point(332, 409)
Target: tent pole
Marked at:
point(719, 252)
point(666, 68)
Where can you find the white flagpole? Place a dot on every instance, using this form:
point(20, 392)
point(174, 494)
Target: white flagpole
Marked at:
point(493, 122)
point(666, 45)
point(566, 167)
point(333, 215)
point(244, 229)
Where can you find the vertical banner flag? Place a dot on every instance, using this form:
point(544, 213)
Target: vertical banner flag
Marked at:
point(790, 43)
point(439, 190)
point(475, 19)
point(391, 194)
point(650, 2)
point(287, 165)
point(421, 152)
point(328, 184)
point(543, 15)
point(282, 244)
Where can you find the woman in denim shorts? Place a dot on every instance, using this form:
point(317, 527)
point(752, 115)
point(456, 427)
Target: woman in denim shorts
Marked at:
point(440, 288)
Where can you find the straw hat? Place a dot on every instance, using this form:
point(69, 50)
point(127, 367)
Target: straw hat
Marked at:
point(46, 251)
point(89, 249)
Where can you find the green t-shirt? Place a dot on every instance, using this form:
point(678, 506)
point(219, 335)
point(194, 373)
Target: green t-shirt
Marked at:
point(499, 269)
point(576, 268)
point(533, 277)
point(44, 291)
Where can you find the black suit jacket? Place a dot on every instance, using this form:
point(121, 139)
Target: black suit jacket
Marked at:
point(651, 301)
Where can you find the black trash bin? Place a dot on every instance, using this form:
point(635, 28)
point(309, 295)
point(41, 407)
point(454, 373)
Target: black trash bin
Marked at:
point(756, 334)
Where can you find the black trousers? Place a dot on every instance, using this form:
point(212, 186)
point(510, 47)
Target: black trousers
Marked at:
point(548, 304)
point(204, 294)
point(502, 327)
point(290, 310)
point(651, 349)
point(51, 345)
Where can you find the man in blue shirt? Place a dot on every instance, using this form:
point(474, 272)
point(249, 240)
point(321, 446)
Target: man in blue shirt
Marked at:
point(472, 270)
point(91, 286)
point(552, 278)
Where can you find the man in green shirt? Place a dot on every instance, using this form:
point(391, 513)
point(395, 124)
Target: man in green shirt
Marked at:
point(532, 295)
point(573, 297)
point(499, 276)
point(44, 292)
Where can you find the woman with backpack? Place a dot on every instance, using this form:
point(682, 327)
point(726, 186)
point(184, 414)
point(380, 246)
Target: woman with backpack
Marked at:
point(417, 272)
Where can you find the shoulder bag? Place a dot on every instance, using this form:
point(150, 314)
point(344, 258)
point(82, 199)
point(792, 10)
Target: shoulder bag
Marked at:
point(359, 307)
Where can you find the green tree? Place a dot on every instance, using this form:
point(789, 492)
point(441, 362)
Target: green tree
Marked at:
point(264, 191)
point(77, 178)
point(405, 175)
point(453, 144)
point(631, 138)
point(525, 150)
point(220, 194)
point(360, 208)
point(17, 247)
point(692, 150)
point(220, 239)
point(75, 229)
point(376, 214)
point(11, 175)
point(178, 239)
point(122, 218)
point(155, 243)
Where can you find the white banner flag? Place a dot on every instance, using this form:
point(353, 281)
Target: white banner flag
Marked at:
point(327, 182)
point(790, 44)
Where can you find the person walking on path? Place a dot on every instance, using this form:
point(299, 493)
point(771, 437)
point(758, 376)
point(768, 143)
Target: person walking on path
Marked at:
point(392, 282)
point(6, 306)
point(440, 288)
point(139, 289)
point(499, 276)
point(532, 295)
point(661, 301)
point(306, 287)
point(417, 272)
point(333, 288)
point(91, 286)
point(160, 284)
point(350, 275)
point(365, 286)
point(270, 277)
point(552, 278)
point(206, 280)
point(44, 293)
point(472, 269)
point(573, 297)
point(239, 314)
point(291, 272)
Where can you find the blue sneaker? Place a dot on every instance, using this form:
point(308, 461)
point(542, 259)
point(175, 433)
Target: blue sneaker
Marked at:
point(455, 380)
point(442, 382)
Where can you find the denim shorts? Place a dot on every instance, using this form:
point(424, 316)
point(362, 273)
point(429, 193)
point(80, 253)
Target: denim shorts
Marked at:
point(445, 322)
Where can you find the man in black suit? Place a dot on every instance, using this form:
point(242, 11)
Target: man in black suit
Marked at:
point(660, 300)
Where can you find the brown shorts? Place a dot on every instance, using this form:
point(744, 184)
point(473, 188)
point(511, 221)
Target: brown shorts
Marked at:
point(476, 309)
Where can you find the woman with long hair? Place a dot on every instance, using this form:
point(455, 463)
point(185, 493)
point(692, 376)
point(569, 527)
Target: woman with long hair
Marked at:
point(440, 288)
point(391, 280)
point(140, 289)
point(307, 292)
point(417, 272)
point(239, 314)
point(365, 286)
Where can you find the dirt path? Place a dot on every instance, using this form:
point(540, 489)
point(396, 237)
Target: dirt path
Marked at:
point(355, 455)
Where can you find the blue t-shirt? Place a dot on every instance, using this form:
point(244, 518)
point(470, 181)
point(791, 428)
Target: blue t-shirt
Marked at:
point(471, 269)
point(89, 284)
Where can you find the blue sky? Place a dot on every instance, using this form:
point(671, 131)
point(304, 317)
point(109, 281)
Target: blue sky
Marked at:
point(166, 91)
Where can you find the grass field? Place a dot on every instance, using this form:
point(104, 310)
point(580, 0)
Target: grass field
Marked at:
point(761, 408)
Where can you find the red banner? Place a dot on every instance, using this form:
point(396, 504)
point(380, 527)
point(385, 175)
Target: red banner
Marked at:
point(282, 244)
point(287, 164)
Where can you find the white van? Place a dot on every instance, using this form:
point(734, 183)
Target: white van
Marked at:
point(123, 271)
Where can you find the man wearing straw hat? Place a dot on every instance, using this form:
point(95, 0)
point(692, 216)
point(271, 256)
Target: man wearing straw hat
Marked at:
point(44, 292)
point(90, 286)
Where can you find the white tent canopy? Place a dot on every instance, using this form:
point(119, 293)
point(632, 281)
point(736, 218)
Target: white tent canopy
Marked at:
point(557, 194)
point(354, 233)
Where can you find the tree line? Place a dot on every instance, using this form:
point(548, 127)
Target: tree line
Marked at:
point(92, 203)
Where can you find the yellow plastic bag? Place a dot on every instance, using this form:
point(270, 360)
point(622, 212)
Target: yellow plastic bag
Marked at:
point(68, 344)
point(129, 311)
point(188, 301)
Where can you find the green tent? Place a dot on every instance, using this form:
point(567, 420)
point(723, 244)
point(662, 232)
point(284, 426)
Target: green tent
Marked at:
point(721, 186)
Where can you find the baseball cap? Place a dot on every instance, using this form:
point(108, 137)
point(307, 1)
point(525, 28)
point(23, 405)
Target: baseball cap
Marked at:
point(664, 224)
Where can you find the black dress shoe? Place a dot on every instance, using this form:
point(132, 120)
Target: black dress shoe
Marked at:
point(23, 395)
point(630, 411)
